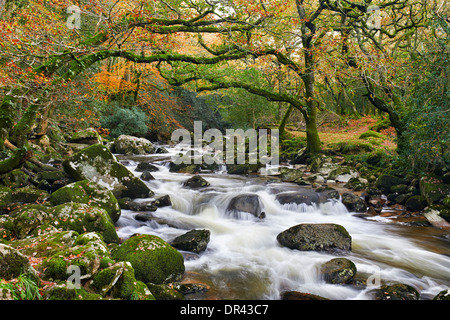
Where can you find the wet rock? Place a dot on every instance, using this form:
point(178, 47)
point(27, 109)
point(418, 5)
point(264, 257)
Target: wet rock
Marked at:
point(194, 241)
point(184, 168)
point(165, 292)
point(147, 176)
point(295, 295)
point(161, 150)
point(305, 196)
point(327, 193)
point(128, 204)
point(96, 163)
point(244, 168)
point(416, 203)
point(125, 144)
point(316, 237)
point(146, 166)
point(338, 271)
point(398, 291)
point(246, 203)
point(153, 259)
point(163, 201)
point(443, 295)
point(354, 203)
point(196, 182)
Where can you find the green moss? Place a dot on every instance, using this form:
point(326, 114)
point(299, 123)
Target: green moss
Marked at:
point(55, 268)
point(372, 134)
point(434, 190)
point(153, 259)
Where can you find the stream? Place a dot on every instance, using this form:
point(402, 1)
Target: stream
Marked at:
point(243, 259)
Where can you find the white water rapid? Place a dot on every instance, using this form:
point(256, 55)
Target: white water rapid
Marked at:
point(243, 259)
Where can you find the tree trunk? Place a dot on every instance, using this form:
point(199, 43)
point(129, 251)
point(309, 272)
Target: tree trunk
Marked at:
point(282, 128)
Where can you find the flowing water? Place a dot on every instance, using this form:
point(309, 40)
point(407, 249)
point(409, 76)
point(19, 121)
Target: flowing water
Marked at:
point(243, 259)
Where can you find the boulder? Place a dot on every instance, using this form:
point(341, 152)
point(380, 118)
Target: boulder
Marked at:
point(153, 259)
point(184, 168)
point(29, 194)
point(125, 144)
point(397, 291)
point(5, 198)
point(245, 168)
point(15, 179)
point(386, 181)
point(165, 292)
point(305, 196)
point(355, 184)
point(338, 271)
point(416, 203)
point(118, 281)
point(443, 295)
point(354, 203)
point(434, 190)
point(316, 237)
point(86, 136)
point(146, 166)
point(194, 240)
point(90, 193)
point(64, 292)
point(289, 174)
point(13, 263)
point(96, 163)
point(196, 182)
point(246, 203)
point(27, 218)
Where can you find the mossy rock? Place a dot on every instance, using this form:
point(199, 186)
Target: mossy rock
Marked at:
point(13, 263)
point(126, 144)
point(86, 136)
point(338, 271)
point(88, 192)
point(371, 134)
point(290, 174)
point(434, 190)
point(184, 168)
point(244, 168)
point(164, 292)
point(317, 237)
point(397, 291)
point(96, 163)
point(118, 281)
point(443, 295)
point(194, 240)
point(86, 253)
point(354, 203)
point(196, 182)
point(351, 147)
point(153, 259)
point(83, 218)
point(27, 218)
point(416, 203)
point(15, 179)
point(29, 195)
point(62, 292)
point(386, 181)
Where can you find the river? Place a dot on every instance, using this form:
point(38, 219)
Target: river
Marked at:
point(243, 259)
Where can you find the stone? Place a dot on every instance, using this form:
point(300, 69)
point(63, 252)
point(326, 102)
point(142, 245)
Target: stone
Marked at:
point(194, 241)
point(416, 203)
point(305, 196)
point(354, 203)
point(13, 263)
point(86, 136)
point(90, 193)
point(316, 237)
point(146, 166)
point(397, 291)
point(443, 295)
point(5, 198)
point(29, 194)
point(196, 182)
point(125, 144)
point(96, 163)
point(338, 271)
point(434, 190)
point(153, 259)
point(386, 181)
point(355, 184)
point(295, 295)
point(289, 174)
point(147, 176)
point(249, 203)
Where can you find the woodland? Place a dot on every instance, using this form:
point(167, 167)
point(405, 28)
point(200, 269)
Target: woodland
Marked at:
point(365, 82)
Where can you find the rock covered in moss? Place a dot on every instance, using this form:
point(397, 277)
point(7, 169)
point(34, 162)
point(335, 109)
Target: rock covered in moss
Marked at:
point(13, 263)
point(96, 163)
point(194, 240)
point(90, 193)
point(443, 295)
point(396, 291)
point(5, 198)
point(83, 218)
point(27, 218)
point(196, 182)
point(317, 237)
point(434, 190)
point(63, 292)
point(416, 203)
point(125, 144)
point(15, 179)
point(29, 194)
point(153, 259)
point(295, 295)
point(354, 203)
point(86, 136)
point(386, 181)
point(165, 292)
point(338, 271)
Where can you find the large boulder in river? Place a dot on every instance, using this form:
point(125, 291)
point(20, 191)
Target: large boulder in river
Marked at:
point(125, 144)
point(316, 237)
point(196, 182)
point(88, 192)
point(96, 163)
point(246, 203)
point(153, 259)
